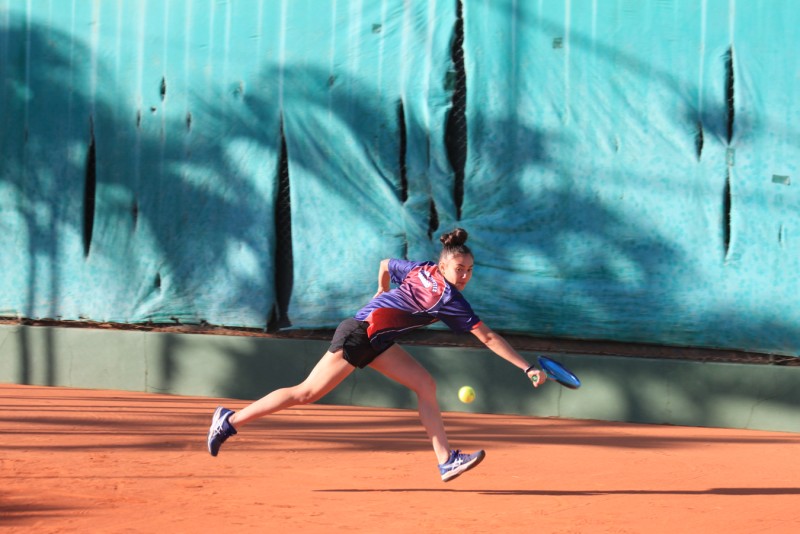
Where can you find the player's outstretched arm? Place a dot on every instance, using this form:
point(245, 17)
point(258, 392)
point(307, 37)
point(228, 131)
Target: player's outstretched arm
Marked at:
point(497, 344)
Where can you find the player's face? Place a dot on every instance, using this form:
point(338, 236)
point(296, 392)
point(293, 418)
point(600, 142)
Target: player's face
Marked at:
point(457, 269)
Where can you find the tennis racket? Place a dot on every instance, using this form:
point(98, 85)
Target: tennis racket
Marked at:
point(558, 373)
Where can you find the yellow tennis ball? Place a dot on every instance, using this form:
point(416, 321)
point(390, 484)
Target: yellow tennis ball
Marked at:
point(466, 394)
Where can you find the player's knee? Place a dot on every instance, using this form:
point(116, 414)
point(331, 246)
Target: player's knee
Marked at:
point(305, 395)
point(425, 386)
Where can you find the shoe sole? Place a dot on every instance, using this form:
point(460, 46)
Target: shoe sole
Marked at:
point(463, 468)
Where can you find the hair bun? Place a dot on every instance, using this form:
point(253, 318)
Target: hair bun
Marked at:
point(456, 238)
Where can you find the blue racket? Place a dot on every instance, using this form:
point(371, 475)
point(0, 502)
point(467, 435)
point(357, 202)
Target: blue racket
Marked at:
point(558, 373)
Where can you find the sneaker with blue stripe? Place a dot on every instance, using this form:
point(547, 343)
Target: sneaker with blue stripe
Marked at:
point(458, 463)
point(220, 429)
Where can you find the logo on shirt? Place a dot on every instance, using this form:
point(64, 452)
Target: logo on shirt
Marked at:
point(428, 281)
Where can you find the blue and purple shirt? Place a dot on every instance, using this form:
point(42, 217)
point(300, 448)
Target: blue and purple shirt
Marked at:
point(422, 298)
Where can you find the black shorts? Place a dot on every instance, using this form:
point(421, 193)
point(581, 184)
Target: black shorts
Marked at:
point(351, 337)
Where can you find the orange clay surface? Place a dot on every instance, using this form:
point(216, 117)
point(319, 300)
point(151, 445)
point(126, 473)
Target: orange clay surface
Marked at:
point(108, 461)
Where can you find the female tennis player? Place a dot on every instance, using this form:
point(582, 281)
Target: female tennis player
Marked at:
point(426, 292)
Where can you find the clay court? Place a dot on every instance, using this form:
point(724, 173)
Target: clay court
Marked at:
point(111, 461)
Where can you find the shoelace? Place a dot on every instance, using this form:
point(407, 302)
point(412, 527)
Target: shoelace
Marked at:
point(458, 458)
point(219, 428)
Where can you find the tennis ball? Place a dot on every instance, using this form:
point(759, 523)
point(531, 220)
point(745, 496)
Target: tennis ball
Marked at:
point(466, 394)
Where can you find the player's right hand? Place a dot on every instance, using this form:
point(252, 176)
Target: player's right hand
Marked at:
point(537, 378)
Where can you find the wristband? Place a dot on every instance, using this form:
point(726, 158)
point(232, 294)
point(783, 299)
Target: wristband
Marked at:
point(529, 369)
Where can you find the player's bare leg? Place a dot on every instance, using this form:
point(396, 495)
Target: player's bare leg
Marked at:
point(326, 375)
point(401, 367)
point(329, 372)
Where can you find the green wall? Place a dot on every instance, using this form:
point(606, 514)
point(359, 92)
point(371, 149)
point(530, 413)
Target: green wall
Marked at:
point(614, 388)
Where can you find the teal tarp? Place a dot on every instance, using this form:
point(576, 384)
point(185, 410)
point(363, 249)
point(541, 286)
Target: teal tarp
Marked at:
point(630, 169)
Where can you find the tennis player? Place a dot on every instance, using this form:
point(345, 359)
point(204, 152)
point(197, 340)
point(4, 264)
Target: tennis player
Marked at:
point(425, 292)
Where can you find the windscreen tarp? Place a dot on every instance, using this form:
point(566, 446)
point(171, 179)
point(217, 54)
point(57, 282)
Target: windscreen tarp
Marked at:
point(627, 170)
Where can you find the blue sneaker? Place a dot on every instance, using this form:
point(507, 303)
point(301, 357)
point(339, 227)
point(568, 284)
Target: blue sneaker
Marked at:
point(220, 429)
point(458, 463)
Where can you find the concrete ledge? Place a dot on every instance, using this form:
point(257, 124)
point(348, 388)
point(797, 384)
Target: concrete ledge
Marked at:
point(643, 390)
